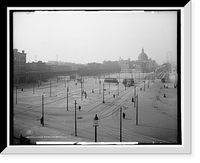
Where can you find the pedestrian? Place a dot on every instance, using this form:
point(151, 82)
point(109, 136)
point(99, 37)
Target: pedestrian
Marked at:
point(79, 108)
point(42, 121)
point(85, 94)
point(124, 115)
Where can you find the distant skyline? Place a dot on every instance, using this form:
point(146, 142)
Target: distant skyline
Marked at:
point(84, 37)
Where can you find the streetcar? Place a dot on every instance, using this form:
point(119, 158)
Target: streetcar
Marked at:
point(128, 82)
point(111, 80)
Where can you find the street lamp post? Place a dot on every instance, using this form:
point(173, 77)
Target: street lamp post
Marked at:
point(99, 86)
point(67, 97)
point(103, 93)
point(75, 120)
point(120, 124)
point(118, 87)
point(119, 83)
point(96, 119)
point(43, 110)
point(144, 85)
point(136, 110)
point(65, 81)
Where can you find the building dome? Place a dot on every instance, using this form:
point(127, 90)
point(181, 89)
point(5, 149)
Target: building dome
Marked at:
point(142, 56)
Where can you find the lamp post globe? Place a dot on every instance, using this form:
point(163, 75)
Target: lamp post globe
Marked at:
point(96, 120)
point(95, 125)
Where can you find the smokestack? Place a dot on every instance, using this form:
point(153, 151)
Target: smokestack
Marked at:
point(57, 59)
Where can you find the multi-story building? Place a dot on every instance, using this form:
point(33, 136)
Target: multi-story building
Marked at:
point(19, 62)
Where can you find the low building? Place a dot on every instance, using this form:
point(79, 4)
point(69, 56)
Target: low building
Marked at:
point(60, 68)
point(94, 66)
point(37, 67)
point(125, 65)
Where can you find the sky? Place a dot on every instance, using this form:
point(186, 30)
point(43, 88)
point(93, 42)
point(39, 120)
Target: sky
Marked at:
point(84, 37)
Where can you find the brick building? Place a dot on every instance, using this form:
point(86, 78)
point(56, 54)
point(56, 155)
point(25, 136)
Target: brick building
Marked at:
point(19, 62)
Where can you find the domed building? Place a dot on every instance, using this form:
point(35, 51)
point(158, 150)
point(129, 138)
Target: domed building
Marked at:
point(143, 64)
point(142, 56)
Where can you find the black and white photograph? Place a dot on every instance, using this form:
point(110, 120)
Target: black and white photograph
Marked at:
point(95, 77)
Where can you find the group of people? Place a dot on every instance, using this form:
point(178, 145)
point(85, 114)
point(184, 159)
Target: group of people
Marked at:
point(84, 92)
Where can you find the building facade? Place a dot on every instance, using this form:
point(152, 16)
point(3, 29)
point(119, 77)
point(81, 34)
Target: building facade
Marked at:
point(19, 62)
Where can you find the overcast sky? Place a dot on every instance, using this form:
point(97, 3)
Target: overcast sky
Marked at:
point(83, 37)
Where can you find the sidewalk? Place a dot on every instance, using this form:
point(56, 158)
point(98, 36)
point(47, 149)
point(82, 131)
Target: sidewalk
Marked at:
point(48, 133)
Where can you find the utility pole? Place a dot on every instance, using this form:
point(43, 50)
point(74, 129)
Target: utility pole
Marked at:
point(134, 96)
point(125, 83)
point(16, 94)
point(75, 120)
point(50, 88)
point(144, 85)
point(103, 93)
point(67, 97)
point(137, 110)
point(99, 86)
point(109, 82)
point(65, 81)
point(83, 84)
point(43, 109)
point(81, 90)
point(120, 124)
point(139, 76)
point(118, 88)
point(118, 84)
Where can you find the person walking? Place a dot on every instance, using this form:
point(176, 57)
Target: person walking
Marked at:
point(124, 115)
point(42, 121)
point(79, 108)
